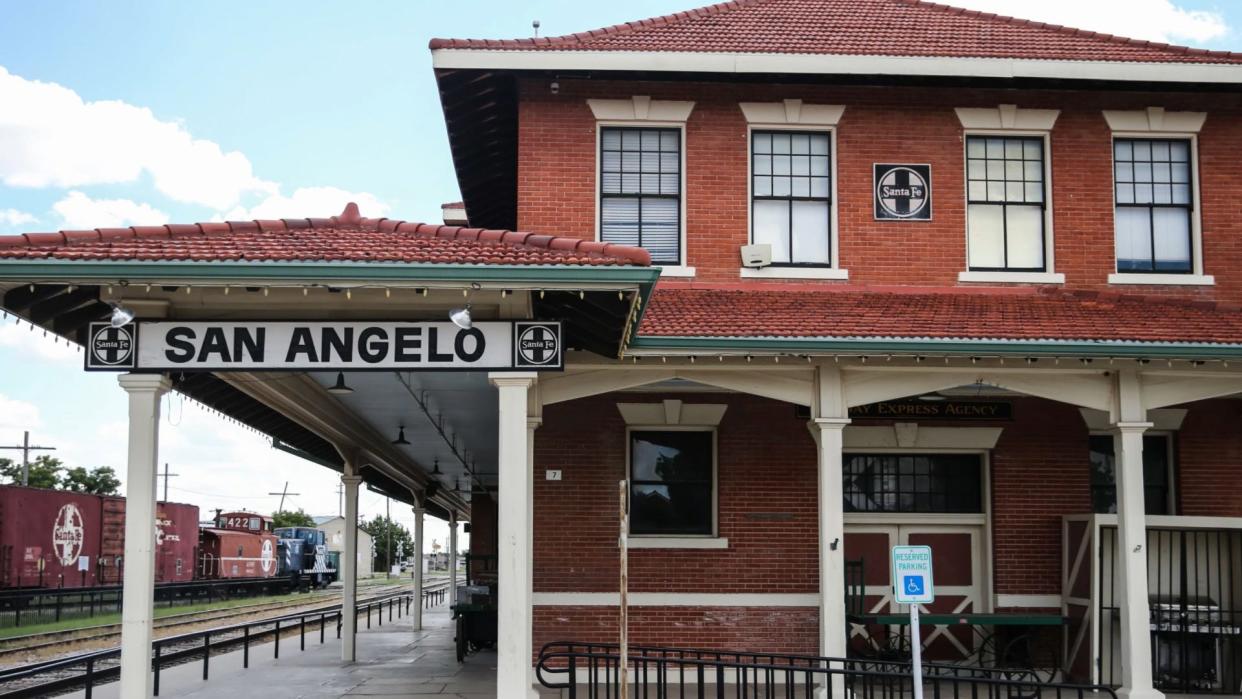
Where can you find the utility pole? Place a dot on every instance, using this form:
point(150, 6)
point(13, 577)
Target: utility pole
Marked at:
point(282, 495)
point(26, 449)
point(166, 476)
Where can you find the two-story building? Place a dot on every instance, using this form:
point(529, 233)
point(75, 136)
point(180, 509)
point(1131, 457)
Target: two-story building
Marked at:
point(832, 276)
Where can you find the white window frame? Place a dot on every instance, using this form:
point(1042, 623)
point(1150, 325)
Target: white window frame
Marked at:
point(833, 270)
point(1195, 277)
point(711, 540)
point(1049, 275)
point(641, 112)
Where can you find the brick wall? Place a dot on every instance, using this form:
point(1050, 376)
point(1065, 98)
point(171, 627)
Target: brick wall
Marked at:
point(1209, 451)
point(557, 161)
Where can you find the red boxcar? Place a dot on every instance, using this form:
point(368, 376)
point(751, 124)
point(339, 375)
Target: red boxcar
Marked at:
point(241, 545)
point(54, 538)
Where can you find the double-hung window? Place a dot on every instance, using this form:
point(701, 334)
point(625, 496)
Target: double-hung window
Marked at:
point(671, 482)
point(640, 190)
point(1153, 205)
point(791, 196)
point(1157, 474)
point(1006, 198)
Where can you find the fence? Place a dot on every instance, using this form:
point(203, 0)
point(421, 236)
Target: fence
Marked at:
point(91, 669)
point(664, 673)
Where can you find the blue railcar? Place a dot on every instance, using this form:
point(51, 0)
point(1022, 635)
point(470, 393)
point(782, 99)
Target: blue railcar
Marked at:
point(303, 557)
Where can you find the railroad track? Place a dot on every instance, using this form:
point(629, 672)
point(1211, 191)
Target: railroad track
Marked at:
point(44, 646)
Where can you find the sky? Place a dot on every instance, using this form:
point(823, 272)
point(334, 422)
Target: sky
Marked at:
point(142, 113)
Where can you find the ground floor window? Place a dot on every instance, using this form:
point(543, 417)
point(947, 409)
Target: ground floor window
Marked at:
point(1157, 467)
point(671, 482)
point(920, 483)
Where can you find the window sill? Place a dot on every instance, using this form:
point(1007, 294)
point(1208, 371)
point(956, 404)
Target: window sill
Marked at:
point(677, 271)
point(1012, 277)
point(1169, 279)
point(676, 542)
point(794, 273)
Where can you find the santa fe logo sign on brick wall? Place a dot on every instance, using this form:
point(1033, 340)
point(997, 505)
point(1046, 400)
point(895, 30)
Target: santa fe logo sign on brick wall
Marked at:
point(902, 192)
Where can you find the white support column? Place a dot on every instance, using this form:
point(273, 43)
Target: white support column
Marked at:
point(1136, 660)
point(137, 612)
point(514, 614)
point(452, 561)
point(349, 569)
point(827, 426)
point(418, 568)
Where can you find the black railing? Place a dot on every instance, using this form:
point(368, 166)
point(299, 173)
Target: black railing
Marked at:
point(665, 673)
point(1195, 609)
point(89, 670)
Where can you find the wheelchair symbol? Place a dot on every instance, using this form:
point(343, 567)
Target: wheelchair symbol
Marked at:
point(913, 584)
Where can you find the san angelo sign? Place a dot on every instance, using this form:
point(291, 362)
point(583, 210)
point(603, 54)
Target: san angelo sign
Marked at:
point(320, 346)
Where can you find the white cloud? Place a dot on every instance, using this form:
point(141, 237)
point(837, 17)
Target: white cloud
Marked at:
point(77, 210)
point(15, 417)
point(1151, 20)
point(309, 202)
point(51, 137)
point(34, 344)
point(13, 217)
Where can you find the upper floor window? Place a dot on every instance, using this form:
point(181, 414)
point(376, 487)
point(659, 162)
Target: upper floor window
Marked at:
point(791, 196)
point(1005, 203)
point(1153, 205)
point(640, 190)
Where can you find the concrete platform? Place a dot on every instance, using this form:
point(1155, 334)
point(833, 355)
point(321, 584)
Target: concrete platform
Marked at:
point(393, 661)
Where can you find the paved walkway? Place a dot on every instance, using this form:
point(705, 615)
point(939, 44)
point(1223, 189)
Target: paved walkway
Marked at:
point(393, 661)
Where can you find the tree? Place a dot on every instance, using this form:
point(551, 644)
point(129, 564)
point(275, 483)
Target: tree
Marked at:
point(379, 529)
point(101, 480)
point(44, 472)
point(289, 518)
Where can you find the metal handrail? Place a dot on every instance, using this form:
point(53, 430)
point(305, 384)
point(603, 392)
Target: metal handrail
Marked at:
point(199, 643)
point(663, 677)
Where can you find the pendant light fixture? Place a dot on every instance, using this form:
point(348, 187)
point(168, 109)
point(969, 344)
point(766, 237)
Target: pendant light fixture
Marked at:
point(461, 316)
point(340, 388)
point(400, 440)
point(121, 316)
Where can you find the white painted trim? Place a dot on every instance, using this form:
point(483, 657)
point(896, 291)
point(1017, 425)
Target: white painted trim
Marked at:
point(1049, 233)
point(924, 438)
point(676, 599)
point(640, 108)
point(1154, 120)
point(1162, 419)
point(792, 112)
point(1007, 116)
point(795, 272)
point(830, 64)
point(1012, 277)
point(678, 270)
point(834, 228)
point(672, 412)
point(1029, 601)
point(677, 542)
point(1163, 279)
point(1177, 522)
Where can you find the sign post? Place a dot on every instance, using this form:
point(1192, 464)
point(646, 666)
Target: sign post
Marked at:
point(912, 585)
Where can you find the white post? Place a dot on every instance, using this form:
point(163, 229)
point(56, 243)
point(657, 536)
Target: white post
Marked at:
point(1136, 661)
point(418, 568)
point(827, 427)
point(452, 542)
point(514, 642)
point(916, 652)
point(137, 610)
point(349, 570)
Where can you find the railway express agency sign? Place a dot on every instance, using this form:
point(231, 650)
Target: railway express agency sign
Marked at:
point(320, 346)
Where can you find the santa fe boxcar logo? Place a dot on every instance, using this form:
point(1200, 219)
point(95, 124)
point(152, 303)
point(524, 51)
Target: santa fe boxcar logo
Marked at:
point(266, 558)
point(538, 345)
point(903, 192)
point(67, 534)
point(110, 347)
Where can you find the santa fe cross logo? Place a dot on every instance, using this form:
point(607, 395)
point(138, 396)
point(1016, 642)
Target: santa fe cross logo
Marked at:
point(110, 348)
point(538, 345)
point(903, 192)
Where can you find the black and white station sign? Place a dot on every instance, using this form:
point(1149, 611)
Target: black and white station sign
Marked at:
point(903, 192)
point(317, 346)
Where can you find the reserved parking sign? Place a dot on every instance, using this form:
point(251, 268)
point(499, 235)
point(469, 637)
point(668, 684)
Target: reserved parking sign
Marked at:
point(912, 575)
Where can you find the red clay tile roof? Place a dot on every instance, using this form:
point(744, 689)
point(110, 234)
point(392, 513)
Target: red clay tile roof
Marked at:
point(974, 314)
point(855, 27)
point(344, 238)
